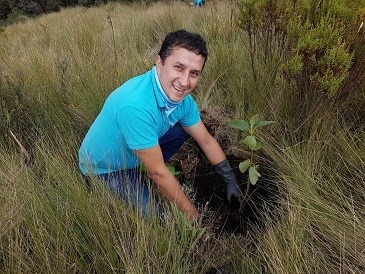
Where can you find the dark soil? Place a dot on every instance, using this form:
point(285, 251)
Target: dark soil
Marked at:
point(260, 200)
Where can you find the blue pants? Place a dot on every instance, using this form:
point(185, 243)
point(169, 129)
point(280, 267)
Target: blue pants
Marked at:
point(129, 185)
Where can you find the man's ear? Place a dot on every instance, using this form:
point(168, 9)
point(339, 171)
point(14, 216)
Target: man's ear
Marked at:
point(158, 61)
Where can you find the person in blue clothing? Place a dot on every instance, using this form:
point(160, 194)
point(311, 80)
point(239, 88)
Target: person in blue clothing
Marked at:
point(146, 120)
point(198, 3)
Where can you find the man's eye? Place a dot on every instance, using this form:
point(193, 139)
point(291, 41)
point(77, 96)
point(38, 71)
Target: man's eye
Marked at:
point(194, 74)
point(179, 68)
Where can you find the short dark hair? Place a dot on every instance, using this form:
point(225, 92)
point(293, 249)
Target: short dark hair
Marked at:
point(183, 39)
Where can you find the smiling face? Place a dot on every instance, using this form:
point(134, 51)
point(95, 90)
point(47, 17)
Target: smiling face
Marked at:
point(179, 73)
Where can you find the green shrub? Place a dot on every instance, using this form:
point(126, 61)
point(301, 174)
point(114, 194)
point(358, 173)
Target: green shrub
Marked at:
point(313, 35)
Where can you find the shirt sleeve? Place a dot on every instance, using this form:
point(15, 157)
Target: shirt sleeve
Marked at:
point(191, 112)
point(138, 127)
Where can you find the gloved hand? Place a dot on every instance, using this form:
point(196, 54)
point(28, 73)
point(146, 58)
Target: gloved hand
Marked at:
point(224, 169)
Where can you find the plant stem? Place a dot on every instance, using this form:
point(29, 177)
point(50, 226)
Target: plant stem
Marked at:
point(114, 45)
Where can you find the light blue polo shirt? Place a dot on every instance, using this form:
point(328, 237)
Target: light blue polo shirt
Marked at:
point(133, 117)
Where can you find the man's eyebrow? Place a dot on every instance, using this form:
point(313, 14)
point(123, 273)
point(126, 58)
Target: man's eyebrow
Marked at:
point(179, 63)
point(184, 66)
point(196, 71)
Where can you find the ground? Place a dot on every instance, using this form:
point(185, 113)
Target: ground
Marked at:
point(210, 193)
point(260, 200)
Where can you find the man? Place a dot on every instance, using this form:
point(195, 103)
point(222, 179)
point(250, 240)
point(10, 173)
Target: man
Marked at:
point(146, 120)
point(198, 3)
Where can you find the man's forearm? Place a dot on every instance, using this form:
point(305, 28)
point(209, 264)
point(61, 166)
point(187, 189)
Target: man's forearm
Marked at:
point(171, 189)
point(213, 151)
point(165, 181)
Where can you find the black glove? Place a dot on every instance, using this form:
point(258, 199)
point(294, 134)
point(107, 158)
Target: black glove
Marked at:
point(225, 170)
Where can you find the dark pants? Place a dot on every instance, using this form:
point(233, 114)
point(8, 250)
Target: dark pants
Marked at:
point(129, 185)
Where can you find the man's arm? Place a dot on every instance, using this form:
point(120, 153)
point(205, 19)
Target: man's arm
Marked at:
point(216, 157)
point(165, 181)
point(206, 142)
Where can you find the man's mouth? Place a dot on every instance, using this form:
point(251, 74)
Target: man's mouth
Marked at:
point(179, 89)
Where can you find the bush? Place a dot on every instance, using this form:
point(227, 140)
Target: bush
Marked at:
point(5, 10)
point(315, 37)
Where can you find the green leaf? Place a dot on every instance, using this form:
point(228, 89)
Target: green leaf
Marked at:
point(257, 147)
point(264, 123)
point(254, 120)
point(239, 124)
point(173, 170)
point(250, 141)
point(253, 175)
point(243, 166)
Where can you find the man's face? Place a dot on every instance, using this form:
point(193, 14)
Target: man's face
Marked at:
point(180, 72)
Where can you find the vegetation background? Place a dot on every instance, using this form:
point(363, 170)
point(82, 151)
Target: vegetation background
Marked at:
point(299, 63)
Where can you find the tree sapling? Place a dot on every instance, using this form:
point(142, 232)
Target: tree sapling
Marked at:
point(251, 142)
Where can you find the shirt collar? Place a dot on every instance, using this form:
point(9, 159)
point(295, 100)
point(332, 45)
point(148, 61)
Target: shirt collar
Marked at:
point(169, 104)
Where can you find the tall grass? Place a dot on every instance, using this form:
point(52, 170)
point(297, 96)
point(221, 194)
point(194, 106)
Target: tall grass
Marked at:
point(322, 218)
point(55, 72)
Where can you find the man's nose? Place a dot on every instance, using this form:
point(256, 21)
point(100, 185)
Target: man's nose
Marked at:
point(184, 79)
